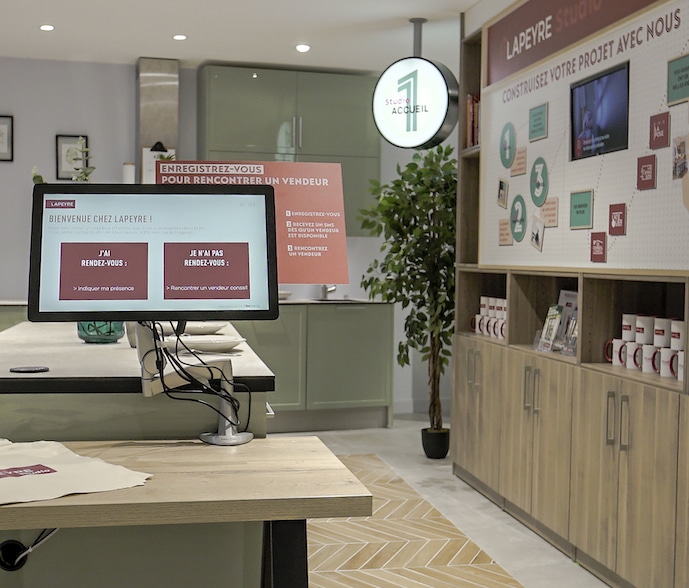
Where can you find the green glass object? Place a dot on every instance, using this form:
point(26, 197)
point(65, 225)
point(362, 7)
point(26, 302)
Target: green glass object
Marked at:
point(100, 331)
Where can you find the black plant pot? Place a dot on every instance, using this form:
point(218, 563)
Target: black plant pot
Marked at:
point(436, 442)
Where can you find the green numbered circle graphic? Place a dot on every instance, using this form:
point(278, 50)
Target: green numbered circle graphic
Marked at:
point(508, 145)
point(518, 218)
point(539, 182)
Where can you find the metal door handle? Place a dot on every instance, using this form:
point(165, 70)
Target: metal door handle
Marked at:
point(610, 434)
point(536, 392)
point(625, 422)
point(527, 385)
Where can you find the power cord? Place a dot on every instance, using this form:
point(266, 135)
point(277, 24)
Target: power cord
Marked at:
point(13, 554)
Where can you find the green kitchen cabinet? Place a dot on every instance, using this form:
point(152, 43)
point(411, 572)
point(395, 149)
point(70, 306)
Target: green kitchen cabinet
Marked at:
point(248, 113)
point(281, 344)
point(349, 349)
point(326, 355)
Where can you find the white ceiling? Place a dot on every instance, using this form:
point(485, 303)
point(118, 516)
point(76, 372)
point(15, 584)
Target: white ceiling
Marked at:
point(353, 34)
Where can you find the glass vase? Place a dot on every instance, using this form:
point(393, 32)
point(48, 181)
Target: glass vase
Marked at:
point(100, 331)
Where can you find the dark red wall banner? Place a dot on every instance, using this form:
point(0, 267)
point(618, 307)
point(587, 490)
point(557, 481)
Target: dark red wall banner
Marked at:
point(540, 28)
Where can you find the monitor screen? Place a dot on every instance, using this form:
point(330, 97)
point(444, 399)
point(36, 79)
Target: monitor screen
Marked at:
point(600, 113)
point(152, 252)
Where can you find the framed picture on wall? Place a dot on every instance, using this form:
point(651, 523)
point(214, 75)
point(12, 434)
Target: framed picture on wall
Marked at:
point(6, 138)
point(68, 155)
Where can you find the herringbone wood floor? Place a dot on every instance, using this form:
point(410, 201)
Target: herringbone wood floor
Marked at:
point(405, 544)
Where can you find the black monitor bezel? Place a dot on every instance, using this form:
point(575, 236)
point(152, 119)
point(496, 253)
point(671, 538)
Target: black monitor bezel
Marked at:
point(40, 191)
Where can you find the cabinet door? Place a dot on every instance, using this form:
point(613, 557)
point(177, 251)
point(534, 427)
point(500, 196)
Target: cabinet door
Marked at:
point(488, 393)
point(516, 455)
point(247, 109)
point(649, 422)
point(350, 352)
point(682, 547)
point(281, 344)
point(335, 115)
point(554, 382)
point(464, 410)
point(595, 460)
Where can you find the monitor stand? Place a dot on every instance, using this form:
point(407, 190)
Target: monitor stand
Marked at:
point(152, 367)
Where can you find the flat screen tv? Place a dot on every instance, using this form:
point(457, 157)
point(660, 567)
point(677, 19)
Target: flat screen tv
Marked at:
point(600, 113)
point(152, 252)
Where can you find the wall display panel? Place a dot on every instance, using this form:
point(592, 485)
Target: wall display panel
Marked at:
point(645, 50)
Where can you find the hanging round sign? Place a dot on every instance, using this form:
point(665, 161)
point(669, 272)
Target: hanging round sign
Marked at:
point(415, 103)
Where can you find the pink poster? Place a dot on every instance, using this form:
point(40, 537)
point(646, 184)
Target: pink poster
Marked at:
point(309, 207)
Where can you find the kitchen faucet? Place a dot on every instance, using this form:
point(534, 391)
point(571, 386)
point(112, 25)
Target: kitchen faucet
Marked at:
point(325, 290)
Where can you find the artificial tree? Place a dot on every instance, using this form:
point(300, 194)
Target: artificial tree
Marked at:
point(415, 214)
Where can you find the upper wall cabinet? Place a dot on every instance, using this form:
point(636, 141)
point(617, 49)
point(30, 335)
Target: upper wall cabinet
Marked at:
point(283, 115)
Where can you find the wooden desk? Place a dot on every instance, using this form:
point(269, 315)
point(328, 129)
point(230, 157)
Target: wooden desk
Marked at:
point(76, 366)
point(93, 391)
point(282, 481)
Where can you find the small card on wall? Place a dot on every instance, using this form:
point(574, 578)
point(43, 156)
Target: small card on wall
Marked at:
point(599, 247)
point(617, 221)
point(505, 232)
point(519, 166)
point(537, 232)
point(660, 131)
point(646, 173)
point(581, 210)
point(550, 211)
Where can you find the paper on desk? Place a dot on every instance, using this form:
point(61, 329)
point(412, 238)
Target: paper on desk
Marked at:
point(46, 469)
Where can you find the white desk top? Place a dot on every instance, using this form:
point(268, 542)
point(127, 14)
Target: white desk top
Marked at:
point(286, 478)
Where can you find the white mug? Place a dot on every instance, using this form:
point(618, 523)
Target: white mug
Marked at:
point(616, 352)
point(661, 332)
point(649, 358)
point(485, 326)
point(629, 327)
point(634, 355)
point(502, 325)
point(483, 308)
point(677, 335)
point(668, 361)
point(477, 323)
point(490, 328)
point(501, 308)
point(644, 329)
point(491, 306)
point(680, 366)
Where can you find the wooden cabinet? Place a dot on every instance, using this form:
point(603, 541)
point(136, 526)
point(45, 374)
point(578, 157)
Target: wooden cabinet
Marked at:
point(476, 407)
point(624, 476)
point(536, 437)
point(327, 355)
point(588, 451)
point(248, 113)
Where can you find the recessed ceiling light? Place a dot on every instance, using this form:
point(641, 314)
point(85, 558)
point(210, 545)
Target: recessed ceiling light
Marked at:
point(179, 37)
point(303, 48)
point(47, 27)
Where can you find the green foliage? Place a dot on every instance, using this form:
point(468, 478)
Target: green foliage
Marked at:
point(415, 215)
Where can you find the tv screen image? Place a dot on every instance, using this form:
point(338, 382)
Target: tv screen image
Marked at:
point(600, 113)
point(152, 252)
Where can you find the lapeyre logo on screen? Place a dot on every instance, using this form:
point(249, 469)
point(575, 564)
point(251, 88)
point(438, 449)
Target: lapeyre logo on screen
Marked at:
point(60, 204)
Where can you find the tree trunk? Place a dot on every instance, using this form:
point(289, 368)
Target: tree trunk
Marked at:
point(435, 411)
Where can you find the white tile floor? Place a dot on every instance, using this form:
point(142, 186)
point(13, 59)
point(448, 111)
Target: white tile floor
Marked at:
point(531, 560)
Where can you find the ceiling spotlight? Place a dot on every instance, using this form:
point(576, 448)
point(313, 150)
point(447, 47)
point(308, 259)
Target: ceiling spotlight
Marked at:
point(47, 27)
point(179, 37)
point(303, 48)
